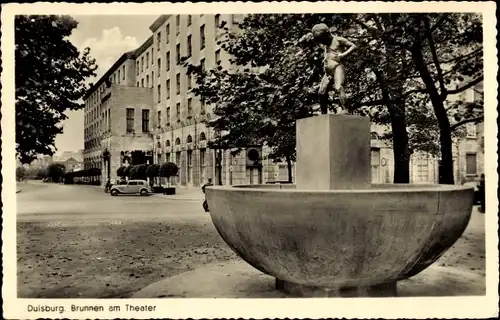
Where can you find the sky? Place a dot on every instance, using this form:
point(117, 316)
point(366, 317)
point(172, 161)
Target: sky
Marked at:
point(108, 37)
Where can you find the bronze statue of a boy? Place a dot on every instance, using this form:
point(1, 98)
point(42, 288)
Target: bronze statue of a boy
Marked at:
point(334, 69)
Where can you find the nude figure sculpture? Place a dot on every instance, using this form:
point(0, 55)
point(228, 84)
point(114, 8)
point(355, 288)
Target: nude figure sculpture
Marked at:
point(334, 70)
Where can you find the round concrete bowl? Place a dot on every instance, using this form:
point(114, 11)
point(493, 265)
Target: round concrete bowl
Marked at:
point(340, 238)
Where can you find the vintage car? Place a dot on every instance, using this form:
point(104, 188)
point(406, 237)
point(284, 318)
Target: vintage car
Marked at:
point(131, 187)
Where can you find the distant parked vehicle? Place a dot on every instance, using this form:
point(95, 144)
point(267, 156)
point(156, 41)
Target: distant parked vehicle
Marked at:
point(132, 187)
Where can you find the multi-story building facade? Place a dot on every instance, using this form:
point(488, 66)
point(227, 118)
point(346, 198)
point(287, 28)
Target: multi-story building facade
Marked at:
point(143, 108)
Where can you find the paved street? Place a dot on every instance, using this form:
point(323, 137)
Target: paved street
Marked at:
point(77, 241)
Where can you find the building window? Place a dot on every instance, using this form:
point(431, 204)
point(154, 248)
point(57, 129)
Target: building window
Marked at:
point(147, 60)
point(167, 88)
point(142, 83)
point(202, 37)
point(168, 114)
point(190, 108)
point(167, 155)
point(138, 83)
point(159, 119)
point(217, 57)
point(159, 66)
point(177, 24)
point(152, 77)
point(168, 61)
point(137, 67)
point(145, 121)
point(178, 53)
point(130, 120)
point(142, 64)
point(190, 19)
point(118, 76)
point(159, 93)
point(114, 80)
point(202, 64)
point(123, 72)
point(158, 41)
point(147, 81)
point(178, 83)
point(471, 130)
point(471, 163)
point(178, 110)
point(190, 80)
point(189, 46)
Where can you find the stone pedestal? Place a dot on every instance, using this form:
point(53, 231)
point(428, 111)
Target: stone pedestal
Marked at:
point(333, 153)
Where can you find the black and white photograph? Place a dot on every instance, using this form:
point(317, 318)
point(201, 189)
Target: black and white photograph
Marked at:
point(249, 160)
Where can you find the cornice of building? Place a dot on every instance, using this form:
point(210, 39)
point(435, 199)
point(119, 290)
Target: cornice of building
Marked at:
point(158, 22)
point(143, 47)
point(126, 56)
point(123, 58)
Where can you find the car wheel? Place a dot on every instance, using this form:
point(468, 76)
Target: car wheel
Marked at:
point(114, 192)
point(144, 192)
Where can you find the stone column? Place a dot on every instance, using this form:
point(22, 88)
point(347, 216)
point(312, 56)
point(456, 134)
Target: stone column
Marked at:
point(183, 169)
point(196, 167)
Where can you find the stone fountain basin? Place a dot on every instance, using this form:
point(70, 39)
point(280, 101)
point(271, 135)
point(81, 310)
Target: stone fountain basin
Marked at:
point(340, 238)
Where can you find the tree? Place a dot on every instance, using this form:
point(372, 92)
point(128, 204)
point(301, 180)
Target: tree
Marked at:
point(141, 171)
point(20, 173)
point(126, 171)
point(121, 172)
point(50, 76)
point(56, 171)
point(168, 170)
point(152, 172)
point(449, 51)
point(133, 172)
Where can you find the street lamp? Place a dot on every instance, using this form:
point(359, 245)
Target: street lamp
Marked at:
point(106, 156)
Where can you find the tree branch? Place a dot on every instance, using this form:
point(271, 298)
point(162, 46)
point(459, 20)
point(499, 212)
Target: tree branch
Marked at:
point(440, 21)
point(463, 57)
point(465, 121)
point(465, 87)
point(430, 30)
point(420, 90)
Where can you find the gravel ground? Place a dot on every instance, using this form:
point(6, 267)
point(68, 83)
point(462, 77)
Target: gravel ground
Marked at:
point(107, 260)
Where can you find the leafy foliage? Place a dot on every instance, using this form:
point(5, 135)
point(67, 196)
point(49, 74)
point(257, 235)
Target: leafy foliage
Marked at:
point(50, 79)
point(56, 171)
point(169, 169)
point(121, 171)
point(126, 171)
point(141, 171)
point(20, 173)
